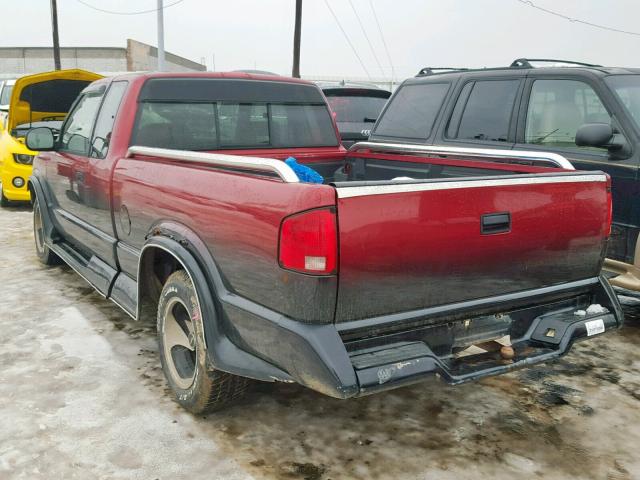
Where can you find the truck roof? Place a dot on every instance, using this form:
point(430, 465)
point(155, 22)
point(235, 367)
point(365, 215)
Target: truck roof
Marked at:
point(142, 76)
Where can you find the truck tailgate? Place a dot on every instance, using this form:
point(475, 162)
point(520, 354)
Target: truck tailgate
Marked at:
point(413, 245)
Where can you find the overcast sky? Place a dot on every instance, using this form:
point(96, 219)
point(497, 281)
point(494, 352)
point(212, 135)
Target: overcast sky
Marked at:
point(258, 33)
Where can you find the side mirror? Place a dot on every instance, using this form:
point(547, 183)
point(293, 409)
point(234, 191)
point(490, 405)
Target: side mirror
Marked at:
point(594, 135)
point(40, 139)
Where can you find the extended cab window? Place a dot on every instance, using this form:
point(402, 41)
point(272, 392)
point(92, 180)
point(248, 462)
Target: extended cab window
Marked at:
point(557, 108)
point(106, 118)
point(483, 111)
point(412, 111)
point(77, 129)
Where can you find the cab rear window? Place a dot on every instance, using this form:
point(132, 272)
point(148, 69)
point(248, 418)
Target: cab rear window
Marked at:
point(216, 114)
point(229, 125)
point(411, 113)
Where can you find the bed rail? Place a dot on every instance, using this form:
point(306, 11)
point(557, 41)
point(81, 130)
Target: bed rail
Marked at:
point(220, 160)
point(545, 159)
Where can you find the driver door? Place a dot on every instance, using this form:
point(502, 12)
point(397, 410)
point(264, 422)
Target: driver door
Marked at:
point(68, 168)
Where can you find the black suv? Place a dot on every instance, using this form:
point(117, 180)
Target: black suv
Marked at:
point(356, 107)
point(588, 113)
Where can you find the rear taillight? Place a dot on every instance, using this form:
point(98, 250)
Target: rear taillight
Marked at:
point(309, 242)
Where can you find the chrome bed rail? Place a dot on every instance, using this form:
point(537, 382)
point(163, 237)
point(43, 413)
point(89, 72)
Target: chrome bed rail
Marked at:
point(503, 156)
point(220, 160)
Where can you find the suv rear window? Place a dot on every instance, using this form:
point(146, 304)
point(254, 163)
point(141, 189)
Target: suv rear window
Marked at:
point(483, 111)
point(412, 111)
point(356, 108)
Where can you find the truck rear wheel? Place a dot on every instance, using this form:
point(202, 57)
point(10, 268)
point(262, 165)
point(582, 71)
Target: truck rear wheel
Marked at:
point(44, 253)
point(198, 387)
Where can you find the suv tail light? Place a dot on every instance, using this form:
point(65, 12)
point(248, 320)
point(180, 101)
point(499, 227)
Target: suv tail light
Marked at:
point(309, 242)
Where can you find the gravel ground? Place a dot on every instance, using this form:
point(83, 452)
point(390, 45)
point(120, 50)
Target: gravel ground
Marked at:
point(82, 396)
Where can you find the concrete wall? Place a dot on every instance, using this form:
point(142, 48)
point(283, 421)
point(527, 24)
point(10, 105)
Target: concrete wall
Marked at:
point(138, 56)
point(38, 59)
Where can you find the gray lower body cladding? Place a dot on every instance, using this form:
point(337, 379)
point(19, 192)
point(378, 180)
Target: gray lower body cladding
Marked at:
point(377, 354)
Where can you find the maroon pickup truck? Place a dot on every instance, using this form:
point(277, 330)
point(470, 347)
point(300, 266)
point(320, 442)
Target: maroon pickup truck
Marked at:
point(169, 194)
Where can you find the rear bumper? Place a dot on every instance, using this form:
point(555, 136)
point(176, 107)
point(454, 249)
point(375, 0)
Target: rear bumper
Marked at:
point(406, 363)
point(392, 353)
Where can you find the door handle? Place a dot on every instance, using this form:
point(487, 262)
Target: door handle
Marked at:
point(492, 223)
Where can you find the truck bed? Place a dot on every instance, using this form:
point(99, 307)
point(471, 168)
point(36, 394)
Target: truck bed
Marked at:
point(414, 232)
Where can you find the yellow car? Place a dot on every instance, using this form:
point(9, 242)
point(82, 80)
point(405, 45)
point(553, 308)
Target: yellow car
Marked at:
point(40, 100)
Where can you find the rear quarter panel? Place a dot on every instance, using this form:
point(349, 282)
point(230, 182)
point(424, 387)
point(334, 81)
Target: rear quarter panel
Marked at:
point(237, 216)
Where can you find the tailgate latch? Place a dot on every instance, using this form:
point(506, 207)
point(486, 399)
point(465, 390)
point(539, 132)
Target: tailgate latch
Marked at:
point(492, 223)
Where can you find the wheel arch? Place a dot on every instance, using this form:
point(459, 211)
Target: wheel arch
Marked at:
point(37, 192)
point(159, 258)
point(174, 243)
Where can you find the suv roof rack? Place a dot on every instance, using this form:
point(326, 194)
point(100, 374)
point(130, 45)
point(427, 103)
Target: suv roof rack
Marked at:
point(432, 70)
point(526, 62)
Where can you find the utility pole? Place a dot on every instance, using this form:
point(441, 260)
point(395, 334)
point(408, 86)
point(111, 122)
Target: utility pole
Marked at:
point(296, 40)
point(56, 40)
point(160, 36)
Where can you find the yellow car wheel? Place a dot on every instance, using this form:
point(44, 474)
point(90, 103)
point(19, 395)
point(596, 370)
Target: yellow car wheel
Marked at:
point(4, 201)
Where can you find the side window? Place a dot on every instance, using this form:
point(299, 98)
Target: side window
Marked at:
point(77, 129)
point(557, 108)
point(454, 122)
point(485, 113)
point(412, 111)
point(106, 117)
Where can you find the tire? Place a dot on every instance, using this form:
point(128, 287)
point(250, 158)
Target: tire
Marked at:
point(197, 386)
point(44, 253)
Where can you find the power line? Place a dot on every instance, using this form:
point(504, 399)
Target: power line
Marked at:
point(367, 37)
point(139, 12)
point(347, 38)
point(529, 3)
point(384, 42)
